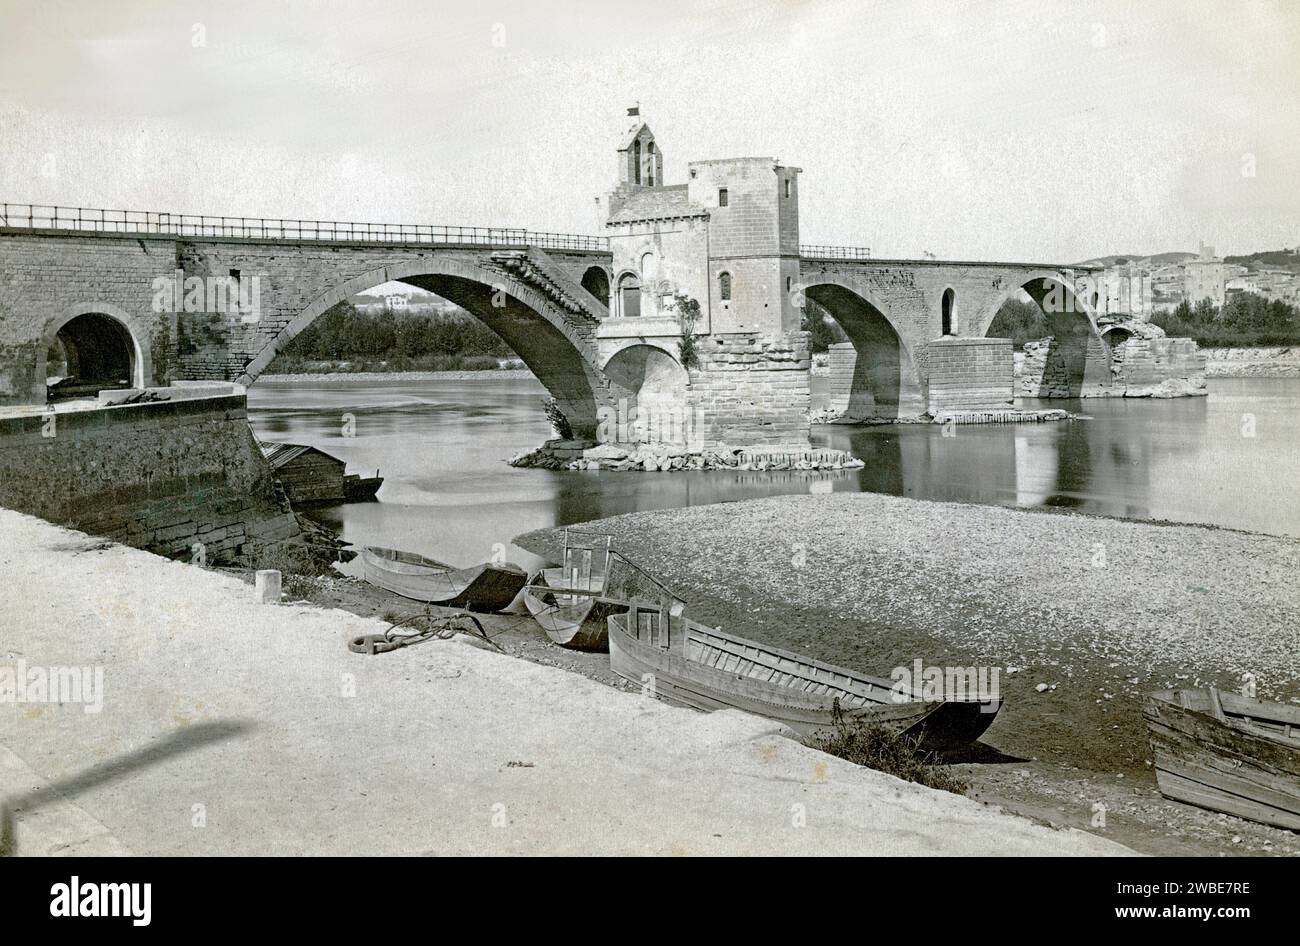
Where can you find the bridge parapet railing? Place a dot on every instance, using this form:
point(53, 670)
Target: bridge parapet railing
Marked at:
point(823, 251)
point(39, 217)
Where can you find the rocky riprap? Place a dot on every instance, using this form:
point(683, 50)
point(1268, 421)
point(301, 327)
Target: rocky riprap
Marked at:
point(992, 415)
point(659, 457)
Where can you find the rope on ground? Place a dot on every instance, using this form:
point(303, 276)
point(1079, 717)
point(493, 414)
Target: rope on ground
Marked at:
point(405, 633)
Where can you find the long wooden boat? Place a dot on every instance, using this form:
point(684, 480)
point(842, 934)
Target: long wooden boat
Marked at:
point(568, 601)
point(1228, 753)
point(485, 587)
point(694, 665)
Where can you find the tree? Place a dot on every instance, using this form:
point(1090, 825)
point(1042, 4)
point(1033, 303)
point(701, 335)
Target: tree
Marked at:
point(688, 313)
point(1021, 322)
point(823, 332)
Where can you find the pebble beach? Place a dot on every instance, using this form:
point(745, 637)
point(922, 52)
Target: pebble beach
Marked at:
point(1082, 615)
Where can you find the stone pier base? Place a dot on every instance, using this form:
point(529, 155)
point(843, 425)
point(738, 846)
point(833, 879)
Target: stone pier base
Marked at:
point(970, 374)
point(667, 458)
point(1143, 362)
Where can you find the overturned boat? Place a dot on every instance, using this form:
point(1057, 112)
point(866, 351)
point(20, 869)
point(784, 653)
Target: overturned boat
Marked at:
point(485, 587)
point(1228, 753)
point(690, 664)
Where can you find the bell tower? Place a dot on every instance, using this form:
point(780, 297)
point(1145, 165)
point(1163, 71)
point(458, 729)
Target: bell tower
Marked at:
point(640, 163)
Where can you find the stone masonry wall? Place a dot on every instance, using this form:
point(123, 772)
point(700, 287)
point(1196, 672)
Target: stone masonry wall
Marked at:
point(46, 280)
point(970, 374)
point(753, 389)
point(840, 361)
point(292, 278)
point(160, 476)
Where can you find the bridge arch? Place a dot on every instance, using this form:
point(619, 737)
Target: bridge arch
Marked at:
point(885, 382)
point(1116, 335)
point(99, 347)
point(657, 387)
point(536, 329)
point(596, 281)
point(1075, 359)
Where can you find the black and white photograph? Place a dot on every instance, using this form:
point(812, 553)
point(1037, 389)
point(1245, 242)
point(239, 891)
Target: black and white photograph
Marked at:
point(730, 428)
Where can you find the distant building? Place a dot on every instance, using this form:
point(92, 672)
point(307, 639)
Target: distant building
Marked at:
point(1247, 282)
point(1276, 283)
point(1166, 286)
point(1124, 290)
point(1205, 278)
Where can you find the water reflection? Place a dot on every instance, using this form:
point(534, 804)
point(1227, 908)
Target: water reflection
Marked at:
point(449, 494)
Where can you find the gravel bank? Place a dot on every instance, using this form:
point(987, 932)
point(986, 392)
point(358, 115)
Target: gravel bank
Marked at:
point(1100, 611)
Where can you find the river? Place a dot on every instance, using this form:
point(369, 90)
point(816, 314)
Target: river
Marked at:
point(1227, 460)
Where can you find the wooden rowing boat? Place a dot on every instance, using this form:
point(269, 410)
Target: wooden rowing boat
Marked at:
point(694, 665)
point(1227, 753)
point(566, 601)
point(572, 615)
point(485, 587)
point(573, 602)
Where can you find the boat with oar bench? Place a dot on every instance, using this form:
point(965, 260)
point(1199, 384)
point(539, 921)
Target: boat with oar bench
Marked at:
point(1228, 753)
point(485, 587)
point(573, 602)
point(694, 665)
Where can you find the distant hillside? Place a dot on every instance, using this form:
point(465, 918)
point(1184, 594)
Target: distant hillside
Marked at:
point(1163, 259)
point(1275, 259)
point(1285, 259)
point(1159, 259)
point(1112, 259)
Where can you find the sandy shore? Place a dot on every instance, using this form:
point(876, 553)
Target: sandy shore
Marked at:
point(231, 727)
point(1099, 611)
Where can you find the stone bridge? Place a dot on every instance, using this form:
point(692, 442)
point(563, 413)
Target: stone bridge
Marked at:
point(218, 298)
point(199, 298)
point(919, 330)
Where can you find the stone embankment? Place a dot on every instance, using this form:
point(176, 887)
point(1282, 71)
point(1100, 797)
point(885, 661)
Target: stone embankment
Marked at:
point(666, 458)
point(175, 470)
point(1253, 362)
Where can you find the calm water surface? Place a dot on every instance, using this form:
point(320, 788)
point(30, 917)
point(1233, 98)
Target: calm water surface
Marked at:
point(448, 493)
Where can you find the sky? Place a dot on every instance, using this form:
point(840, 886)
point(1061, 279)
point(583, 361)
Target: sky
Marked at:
point(1045, 131)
